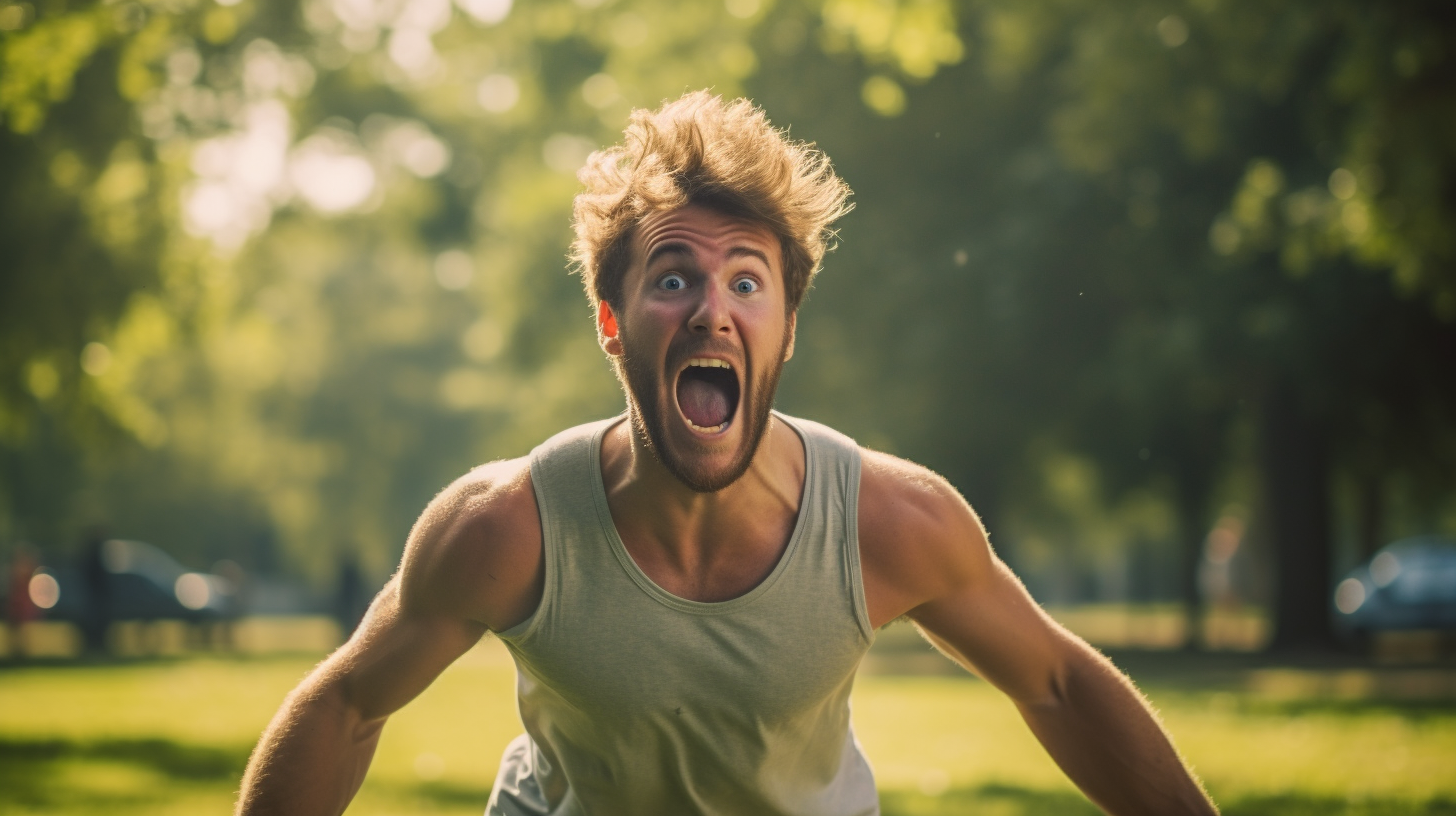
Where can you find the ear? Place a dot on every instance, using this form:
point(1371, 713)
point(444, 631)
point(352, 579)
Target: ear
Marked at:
point(789, 346)
point(607, 330)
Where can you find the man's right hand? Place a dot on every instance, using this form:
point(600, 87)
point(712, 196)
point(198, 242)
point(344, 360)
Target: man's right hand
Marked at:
point(473, 563)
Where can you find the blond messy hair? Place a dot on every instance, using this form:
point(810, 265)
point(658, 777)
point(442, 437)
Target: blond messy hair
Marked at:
point(702, 150)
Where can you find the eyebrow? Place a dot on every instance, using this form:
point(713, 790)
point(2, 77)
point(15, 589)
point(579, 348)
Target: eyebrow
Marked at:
point(669, 248)
point(741, 251)
point(680, 248)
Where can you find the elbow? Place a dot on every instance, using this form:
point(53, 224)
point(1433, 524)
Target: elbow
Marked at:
point(366, 731)
point(1050, 693)
point(365, 718)
point(1054, 693)
point(1063, 680)
point(1060, 685)
point(335, 696)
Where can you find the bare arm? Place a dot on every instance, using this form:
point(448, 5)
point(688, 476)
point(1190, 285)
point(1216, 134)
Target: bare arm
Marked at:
point(927, 554)
point(314, 754)
point(472, 564)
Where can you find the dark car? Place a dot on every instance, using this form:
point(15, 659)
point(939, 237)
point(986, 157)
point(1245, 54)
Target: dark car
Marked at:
point(133, 580)
point(1410, 584)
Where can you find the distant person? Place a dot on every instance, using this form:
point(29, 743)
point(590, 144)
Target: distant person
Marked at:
point(687, 589)
point(20, 608)
point(96, 578)
point(351, 599)
point(236, 597)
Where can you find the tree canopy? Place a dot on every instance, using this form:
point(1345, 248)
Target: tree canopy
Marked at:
point(276, 272)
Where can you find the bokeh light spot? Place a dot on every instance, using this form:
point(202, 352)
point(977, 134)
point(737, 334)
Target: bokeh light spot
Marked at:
point(329, 175)
point(426, 156)
point(42, 379)
point(1349, 595)
point(743, 9)
point(413, 50)
point(883, 96)
point(486, 12)
point(483, 340)
point(95, 359)
point(498, 93)
point(1343, 184)
point(454, 270)
point(192, 590)
point(600, 90)
point(1384, 569)
point(45, 591)
point(13, 17)
point(1173, 30)
point(1225, 236)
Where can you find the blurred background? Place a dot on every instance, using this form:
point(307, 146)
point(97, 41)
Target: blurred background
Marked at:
point(1167, 289)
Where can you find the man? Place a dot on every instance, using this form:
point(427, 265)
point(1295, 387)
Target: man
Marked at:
point(688, 590)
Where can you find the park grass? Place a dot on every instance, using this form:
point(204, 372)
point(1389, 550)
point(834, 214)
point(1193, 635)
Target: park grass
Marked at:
point(171, 737)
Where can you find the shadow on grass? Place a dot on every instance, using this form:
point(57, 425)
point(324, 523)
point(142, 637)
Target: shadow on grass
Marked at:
point(1413, 710)
point(446, 794)
point(1300, 805)
point(1010, 800)
point(29, 769)
point(93, 776)
point(1002, 800)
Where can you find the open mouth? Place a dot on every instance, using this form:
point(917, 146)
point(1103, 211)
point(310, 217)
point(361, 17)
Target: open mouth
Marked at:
point(707, 394)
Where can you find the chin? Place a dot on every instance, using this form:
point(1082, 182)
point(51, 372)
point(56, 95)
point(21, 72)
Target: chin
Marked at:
point(702, 465)
point(710, 456)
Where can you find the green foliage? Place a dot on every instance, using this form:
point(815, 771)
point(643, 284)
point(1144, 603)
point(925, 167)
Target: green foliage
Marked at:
point(1142, 235)
point(302, 264)
point(40, 65)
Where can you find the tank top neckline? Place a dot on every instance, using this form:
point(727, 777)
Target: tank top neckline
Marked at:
point(649, 586)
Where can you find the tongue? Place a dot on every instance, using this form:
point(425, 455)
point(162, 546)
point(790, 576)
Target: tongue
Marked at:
point(703, 403)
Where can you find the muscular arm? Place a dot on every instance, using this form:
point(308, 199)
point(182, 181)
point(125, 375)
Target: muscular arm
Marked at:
point(472, 564)
point(926, 554)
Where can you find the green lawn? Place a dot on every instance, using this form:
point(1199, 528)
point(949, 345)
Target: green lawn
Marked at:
point(171, 738)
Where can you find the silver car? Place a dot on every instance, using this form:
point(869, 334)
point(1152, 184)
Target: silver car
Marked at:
point(1410, 584)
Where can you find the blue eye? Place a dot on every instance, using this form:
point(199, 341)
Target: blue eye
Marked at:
point(745, 286)
point(672, 283)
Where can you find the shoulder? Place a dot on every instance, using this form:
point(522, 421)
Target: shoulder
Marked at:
point(899, 495)
point(918, 536)
point(476, 550)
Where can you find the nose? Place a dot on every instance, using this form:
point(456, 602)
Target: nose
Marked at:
point(711, 316)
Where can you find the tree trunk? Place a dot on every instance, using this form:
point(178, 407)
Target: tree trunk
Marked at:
point(1370, 522)
point(1192, 491)
point(1295, 468)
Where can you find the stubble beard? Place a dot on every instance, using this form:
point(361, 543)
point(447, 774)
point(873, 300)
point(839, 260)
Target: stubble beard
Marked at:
point(650, 417)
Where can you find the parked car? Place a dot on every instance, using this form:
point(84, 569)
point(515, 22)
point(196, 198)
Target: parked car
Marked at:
point(1410, 584)
point(133, 580)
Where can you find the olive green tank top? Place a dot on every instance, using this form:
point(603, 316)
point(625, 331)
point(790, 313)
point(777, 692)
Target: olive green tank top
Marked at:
point(640, 703)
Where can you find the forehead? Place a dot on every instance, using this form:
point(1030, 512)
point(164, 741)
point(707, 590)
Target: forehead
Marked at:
point(704, 231)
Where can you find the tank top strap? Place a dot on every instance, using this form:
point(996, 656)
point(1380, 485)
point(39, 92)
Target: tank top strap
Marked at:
point(831, 498)
point(565, 475)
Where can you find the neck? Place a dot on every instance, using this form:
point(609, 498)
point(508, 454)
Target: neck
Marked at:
point(653, 509)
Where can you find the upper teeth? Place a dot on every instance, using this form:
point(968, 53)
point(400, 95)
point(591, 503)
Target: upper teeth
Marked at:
point(707, 362)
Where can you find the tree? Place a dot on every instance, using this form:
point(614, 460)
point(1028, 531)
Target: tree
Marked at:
point(301, 264)
point(1264, 157)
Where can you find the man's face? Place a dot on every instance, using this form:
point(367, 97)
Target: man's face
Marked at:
point(700, 340)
